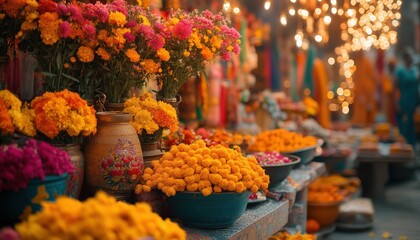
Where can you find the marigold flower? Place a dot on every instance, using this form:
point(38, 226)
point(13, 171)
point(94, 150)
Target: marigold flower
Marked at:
point(133, 55)
point(117, 18)
point(85, 54)
point(163, 54)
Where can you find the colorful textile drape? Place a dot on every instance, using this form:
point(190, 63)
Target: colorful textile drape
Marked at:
point(308, 77)
point(300, 71)
point(293, 79)
point(275, 68)
point(319, 93)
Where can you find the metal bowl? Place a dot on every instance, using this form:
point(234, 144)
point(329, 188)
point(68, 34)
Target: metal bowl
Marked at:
point(279, 172)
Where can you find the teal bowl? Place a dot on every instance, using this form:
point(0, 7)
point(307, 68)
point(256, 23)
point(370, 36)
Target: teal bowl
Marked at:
point(218, 210)
point(279, 172)
point(13, 204)
point(305, 154)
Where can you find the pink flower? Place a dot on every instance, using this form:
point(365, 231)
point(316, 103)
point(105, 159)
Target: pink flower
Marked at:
point(183, 29)
point(226, 56)
point(90, 31)
point(131, 24)
point(236, 48)
point(156, 42)
point(64, 29)
point(146, 31)
point(203, 23)
point(76, 13)
point(9, 234)
point(208, 14)
point(129, 37)
point(219, 17)
point(160, 28)
point(102, 12)
point(119, 6)
point(62, 9)
point(230, 32)
point(89, 11)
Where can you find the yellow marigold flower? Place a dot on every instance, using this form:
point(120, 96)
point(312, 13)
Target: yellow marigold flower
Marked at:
point(103, 54)
point(163, 54)
point(133, 55)
point(85, 54)
point(117, 18)
point(12, 102)
point(144, 20)
point(186, 53)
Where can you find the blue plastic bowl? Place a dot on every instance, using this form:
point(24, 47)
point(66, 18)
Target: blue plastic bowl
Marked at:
point(12, 204)
point(218, 210)
point(279, 172)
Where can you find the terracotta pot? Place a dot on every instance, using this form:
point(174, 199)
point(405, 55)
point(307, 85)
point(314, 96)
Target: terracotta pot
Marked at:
point(74, 181)
point(113, 156)
point(187, 108)
point(118, 107)
point(324, 213)
point(150, 152)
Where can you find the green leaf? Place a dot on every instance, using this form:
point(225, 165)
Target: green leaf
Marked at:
point(48, 74)
point(70, 77)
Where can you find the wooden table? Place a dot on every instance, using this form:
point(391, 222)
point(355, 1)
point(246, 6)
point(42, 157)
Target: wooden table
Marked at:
point(373, 170)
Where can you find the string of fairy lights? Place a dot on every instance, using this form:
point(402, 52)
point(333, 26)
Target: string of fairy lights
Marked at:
point(364, 24)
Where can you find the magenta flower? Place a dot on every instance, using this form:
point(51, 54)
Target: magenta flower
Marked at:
point(90, 31)
point(64, 29)
point(230, 32)
point(129, 37)
point(160, 28)
point(119, 6)
point(101, 12)
point(89, 11)
point(236, 48)
point(34, 160)
point(203, 23)
point(131, 24)
point(146, 31)
point(182, 30)
point(62, 9)
point(208, 14)
point(76, 14)
point(226, 56)
point(9, 233)
point(156, 42)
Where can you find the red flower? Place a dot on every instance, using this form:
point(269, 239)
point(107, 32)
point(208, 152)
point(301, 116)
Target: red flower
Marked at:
point(116, 172)
point(47, 6)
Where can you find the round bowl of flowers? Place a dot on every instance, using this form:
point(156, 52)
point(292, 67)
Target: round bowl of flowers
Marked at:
point(284, 141)
point(207, 187)
point(276, 165)
point(31, 172)
point(323, 202)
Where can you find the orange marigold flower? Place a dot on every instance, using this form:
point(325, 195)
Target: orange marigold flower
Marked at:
point(49, 27)
point(206, 53)
point(151, 66)
point(133, 55)
point(85, 54)
point(6, 124)
point(103, 54)
point(163, 54)
point(73, 59)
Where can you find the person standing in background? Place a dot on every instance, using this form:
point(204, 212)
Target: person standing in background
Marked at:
point(407, 84)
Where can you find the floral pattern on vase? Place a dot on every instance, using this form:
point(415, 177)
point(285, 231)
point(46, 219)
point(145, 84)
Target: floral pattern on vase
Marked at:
point(122, 166)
